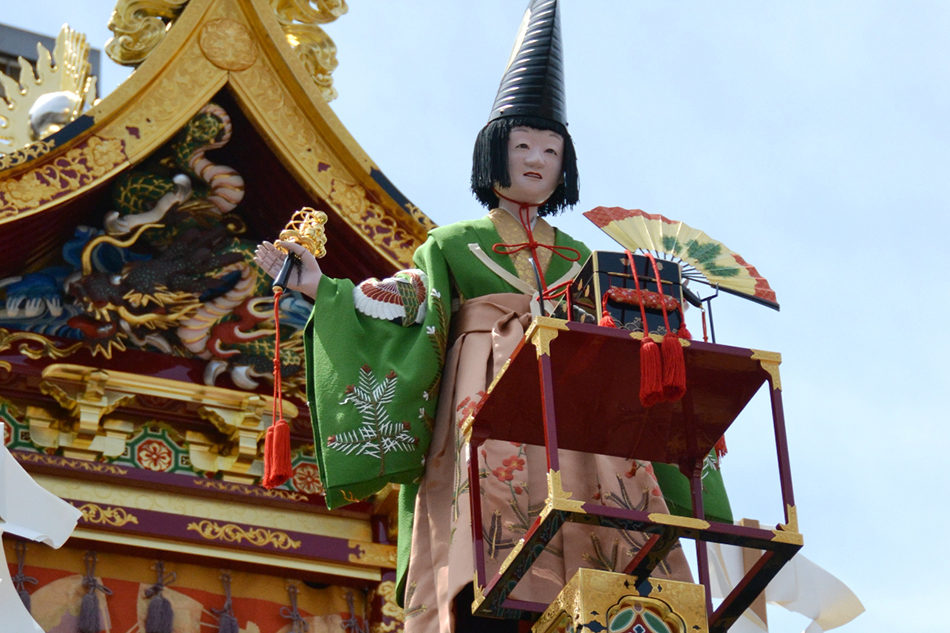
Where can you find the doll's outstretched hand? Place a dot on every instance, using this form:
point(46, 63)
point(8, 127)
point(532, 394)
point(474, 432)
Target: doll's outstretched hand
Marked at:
point(304, 278)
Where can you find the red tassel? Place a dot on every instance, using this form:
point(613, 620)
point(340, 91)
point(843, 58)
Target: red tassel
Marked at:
point(605, 319)
point(277, 464)
point(651, 372)
point(720, 447)
point(277, 461)
point(674, 369)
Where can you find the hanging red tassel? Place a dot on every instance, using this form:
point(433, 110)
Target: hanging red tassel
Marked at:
point(605, 319)
point(720, 447)
point(277, 461)
point(674, 368)
point(683, 332)
point(651, 372)
point(674, 365)
point(277, 465)
point(651, 362)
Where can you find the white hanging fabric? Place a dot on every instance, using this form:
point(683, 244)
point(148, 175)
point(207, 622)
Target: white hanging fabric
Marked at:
point(29, 511)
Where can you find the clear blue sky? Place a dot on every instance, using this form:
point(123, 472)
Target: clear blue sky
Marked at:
point(807, 136)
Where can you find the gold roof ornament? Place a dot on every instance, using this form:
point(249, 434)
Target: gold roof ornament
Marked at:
point(140, 25)
point(46, 98)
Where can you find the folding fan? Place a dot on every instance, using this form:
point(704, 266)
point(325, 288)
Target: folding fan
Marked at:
point(700, 257)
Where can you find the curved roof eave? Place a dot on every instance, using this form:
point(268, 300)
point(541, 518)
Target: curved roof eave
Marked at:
point(213, 44)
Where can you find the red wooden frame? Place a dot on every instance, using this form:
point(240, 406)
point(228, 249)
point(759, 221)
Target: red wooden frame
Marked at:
point(584, 373)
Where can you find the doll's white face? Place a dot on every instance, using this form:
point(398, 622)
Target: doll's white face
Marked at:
point(534, 164)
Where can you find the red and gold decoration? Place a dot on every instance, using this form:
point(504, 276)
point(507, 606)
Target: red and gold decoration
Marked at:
point(306, 229)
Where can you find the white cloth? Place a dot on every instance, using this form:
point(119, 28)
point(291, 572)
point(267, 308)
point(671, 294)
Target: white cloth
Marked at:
point(30, 511)
point(801, 586)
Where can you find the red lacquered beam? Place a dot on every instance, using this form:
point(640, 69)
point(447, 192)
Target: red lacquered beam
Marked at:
point(702, 556)
point(547, 411)
point(781, 447)
point(475, 501)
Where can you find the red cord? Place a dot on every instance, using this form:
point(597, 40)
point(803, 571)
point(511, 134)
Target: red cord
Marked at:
point(565, 252)
point(659, 288)
point(636, 283)
point(278, 408)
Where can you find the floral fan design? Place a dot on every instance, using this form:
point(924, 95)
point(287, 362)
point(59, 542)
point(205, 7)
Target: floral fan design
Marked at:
point(701, 257)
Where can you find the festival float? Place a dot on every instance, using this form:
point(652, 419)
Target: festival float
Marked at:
point(143, 360)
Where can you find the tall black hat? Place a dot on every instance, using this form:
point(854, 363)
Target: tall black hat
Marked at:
point(533, 83)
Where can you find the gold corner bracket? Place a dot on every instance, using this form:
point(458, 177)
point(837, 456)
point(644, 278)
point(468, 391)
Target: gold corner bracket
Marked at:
point(542, 331)
point(769, 361)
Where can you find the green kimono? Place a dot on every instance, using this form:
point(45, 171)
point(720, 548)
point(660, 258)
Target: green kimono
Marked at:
point(373, 381)
point(380, 378)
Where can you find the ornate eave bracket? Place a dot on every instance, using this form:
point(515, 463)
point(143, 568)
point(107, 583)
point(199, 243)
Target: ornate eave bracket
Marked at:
point(89, 424)
point(139, 26)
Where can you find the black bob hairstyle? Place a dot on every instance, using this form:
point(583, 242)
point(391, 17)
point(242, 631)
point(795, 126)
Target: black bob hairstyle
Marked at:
point(490, 163)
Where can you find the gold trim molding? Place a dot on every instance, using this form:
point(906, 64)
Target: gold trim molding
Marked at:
point(254, 491)
point(231, 533)
point(91, 467)
point(106, 515)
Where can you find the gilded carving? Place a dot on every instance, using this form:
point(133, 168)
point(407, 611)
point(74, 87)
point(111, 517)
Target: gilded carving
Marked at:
point(299, 20)
point(89, 394)
point(228, 44)
point(598, 600)
point(231, 533)
point(315, 161)
point(40, 104)
point(47, 348)
point(88, 161)
point(371, 219)
point(25, 154)
point(106, 515)
point(254, 491)
point(392, 613)
point(138, 27)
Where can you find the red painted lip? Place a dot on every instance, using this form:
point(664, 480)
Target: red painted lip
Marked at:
point(532, 174)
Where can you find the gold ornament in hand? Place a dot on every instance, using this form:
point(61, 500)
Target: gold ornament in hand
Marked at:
point(306, 227)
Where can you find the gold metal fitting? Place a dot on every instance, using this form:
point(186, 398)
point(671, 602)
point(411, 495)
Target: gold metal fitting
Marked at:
point(306, 227)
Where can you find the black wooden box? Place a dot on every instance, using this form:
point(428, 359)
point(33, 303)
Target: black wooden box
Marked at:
point(606, 269)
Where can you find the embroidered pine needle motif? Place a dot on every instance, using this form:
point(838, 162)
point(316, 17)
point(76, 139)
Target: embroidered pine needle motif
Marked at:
point(377, 435)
